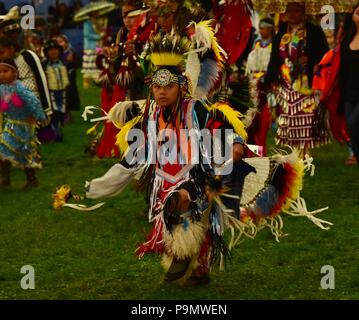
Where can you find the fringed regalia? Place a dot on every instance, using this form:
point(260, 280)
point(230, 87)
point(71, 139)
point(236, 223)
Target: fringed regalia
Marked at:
point(326, 82)
point(242, 202)
point(122, 78)
point(239, 196)
point(18, 142)
point(297, 103)
point(92, 40)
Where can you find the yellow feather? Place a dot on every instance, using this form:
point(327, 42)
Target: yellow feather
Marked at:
point(121, 137)
point(232, 116)
point(297, 184)
point(92, 130)
point(218, 52)
point(166, 59)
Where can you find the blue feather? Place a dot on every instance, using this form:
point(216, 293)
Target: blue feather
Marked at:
point(267, 200)
point(208, 76)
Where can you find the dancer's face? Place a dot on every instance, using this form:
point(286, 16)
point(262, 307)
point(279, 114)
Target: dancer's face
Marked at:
point(266, 33)
point(166, 22)
point(294, 14)
point(7, 74)
point(62, 42)
point(53, 54)
point(129, 22)
point(166, 96)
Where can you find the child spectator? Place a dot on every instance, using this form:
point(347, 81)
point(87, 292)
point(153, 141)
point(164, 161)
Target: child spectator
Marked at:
point(58, 81)
point(69, 58)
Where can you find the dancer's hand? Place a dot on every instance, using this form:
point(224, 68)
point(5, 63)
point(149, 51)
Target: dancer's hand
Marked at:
point(111, 51)
point(183, 200)
point(130, 48)
point(238, 152)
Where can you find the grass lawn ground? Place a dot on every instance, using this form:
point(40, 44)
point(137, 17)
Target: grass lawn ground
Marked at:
point(79, 255)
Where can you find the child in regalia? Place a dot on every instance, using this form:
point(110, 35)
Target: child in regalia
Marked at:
point(18, 142)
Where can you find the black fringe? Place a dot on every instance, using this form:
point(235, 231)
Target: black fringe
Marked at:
point(219, 246)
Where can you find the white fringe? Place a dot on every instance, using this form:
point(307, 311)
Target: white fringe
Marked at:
point(298, 208)
point(184, 244)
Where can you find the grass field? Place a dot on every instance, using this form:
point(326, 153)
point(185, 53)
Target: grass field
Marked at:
point(79, 255)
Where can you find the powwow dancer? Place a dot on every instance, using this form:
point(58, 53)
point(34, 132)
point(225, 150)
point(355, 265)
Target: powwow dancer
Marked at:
point(297, 48)
point(336, 79)
point(122, 77)
point(18, 142)
point(195, 197)
point(258, 117)
point(95, 23)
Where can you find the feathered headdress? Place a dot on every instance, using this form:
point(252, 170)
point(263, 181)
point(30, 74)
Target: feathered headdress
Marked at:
point(168, 50)
point(189, 56)
point(167, 58)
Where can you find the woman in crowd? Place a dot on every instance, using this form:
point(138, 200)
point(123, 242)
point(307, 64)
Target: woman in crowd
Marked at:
point(297, 48)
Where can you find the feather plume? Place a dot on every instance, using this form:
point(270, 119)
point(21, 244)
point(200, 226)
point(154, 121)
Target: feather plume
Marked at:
point(119, 113)
point(166, 59)
point(121, 138)
point(204, 39)
point(193, 69)
point(207, 78)
point(168, 50)
point(231, 116)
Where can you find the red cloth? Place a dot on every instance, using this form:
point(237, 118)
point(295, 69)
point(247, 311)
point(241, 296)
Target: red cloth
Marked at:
point(257, 132)
point(326, 81)
point(107, 146)
point(234, 28)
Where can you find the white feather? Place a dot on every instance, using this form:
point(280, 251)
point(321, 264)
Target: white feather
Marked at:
point(117, 114)
point(255, 182)
point(193, 68)
point(202, 38)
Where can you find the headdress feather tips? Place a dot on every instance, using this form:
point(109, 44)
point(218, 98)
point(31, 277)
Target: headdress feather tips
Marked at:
point(168, 50)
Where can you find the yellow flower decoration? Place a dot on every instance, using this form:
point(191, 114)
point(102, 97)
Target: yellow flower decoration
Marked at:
point(286, 39)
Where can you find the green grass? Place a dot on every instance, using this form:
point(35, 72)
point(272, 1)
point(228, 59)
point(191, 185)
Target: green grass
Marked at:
point(78, 255)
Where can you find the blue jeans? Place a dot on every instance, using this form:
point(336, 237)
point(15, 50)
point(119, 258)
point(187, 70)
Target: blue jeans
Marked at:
point(352, 117)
